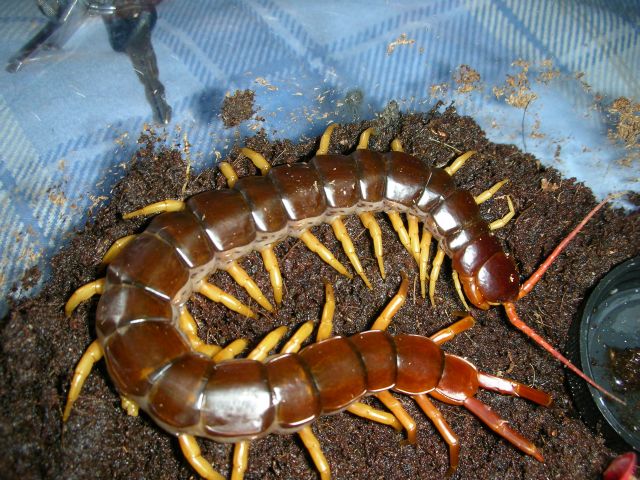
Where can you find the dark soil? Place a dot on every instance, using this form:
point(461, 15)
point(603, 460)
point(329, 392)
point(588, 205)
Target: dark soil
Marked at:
point(237, 108)
point(40, 348)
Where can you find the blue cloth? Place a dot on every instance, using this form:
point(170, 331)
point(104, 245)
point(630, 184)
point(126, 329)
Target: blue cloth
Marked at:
point(70, 119)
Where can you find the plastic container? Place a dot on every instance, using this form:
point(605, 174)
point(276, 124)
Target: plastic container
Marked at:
point(606, 340)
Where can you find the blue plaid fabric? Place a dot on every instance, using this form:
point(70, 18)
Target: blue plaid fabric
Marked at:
point(69, 120)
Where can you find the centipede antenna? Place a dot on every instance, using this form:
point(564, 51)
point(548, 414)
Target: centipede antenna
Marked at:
point(524, 328)
point(528, 285)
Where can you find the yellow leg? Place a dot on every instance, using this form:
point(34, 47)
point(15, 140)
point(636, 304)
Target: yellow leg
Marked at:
point(258, 160)
point(220, 296)
point(243, 279)
point(294, 344)
point(324, 330)
point(383, 321)
point(370, 223)
point(158, 207)
point(341, 234)
point(501, 222)
point(116, 248)
point(459, 162)
point(193, 454)
point(267, 344)
point(443, 427)
point(425, 247)
point(398, 226)
point(323, 252)
point(313, 446)
point(129, 406)
point(189, 327)
point(401, 414)
point(89, 357)
point(323, 149)
point(229, 173)
point(271, 265)
point(363, 144)
point(451, 331)
point(396, 145)
point(85, 292)
point(240, 460)
point(487, 194)
point(366, 411)
point(326, 322)
point(435, 272)
point(230, 351)
point(414, 236)
point(456, 283)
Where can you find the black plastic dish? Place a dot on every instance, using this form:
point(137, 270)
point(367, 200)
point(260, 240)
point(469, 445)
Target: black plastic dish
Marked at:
point(610, 321)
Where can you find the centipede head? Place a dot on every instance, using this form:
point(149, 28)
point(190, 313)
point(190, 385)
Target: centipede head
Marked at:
point(496, 282)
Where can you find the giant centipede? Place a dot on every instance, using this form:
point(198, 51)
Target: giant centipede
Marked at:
point(157, 362)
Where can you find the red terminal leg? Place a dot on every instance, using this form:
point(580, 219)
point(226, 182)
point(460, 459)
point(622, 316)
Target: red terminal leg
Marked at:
point(516, 389)
point(501, 427)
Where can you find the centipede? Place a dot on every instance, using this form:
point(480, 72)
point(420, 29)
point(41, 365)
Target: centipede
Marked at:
point(157, 362)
